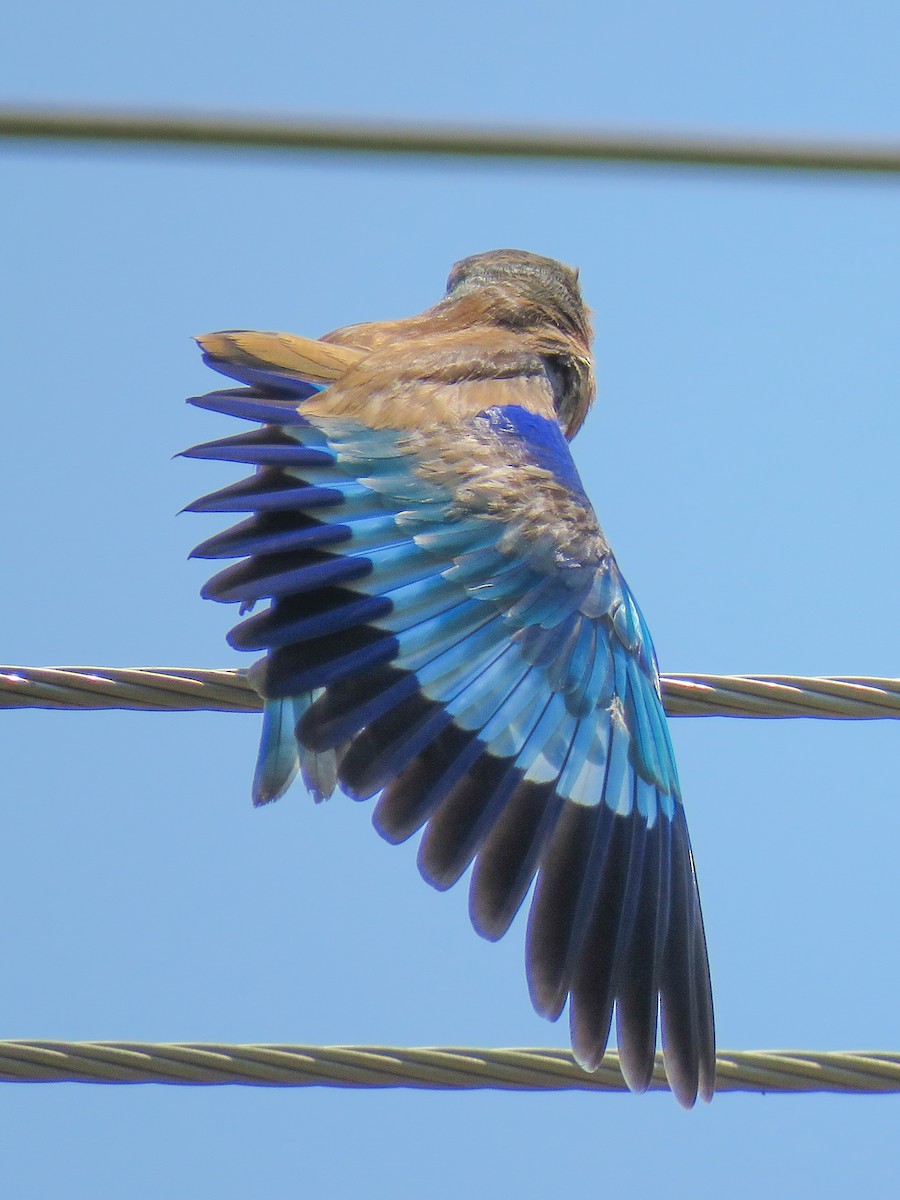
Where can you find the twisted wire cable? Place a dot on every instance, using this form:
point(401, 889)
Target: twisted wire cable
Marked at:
point(448, 1067)
point(184, 689)
point(144, 689)
point(60, 125)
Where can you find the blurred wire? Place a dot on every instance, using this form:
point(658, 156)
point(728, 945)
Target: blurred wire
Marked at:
point(234, 132)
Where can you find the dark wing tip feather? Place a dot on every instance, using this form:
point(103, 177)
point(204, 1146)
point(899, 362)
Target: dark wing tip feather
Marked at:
point(594, 955)
point(259, 376)
point(387, 745)
point(412, 796)
point(553, 909)
point(615, 926)
point(688, 1032)
point(509, 857)
point(637, 1001)
point(250, 404)
point(455, 832)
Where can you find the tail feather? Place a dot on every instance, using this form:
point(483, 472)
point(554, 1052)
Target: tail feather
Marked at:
point(281, 757)
point(310, 360)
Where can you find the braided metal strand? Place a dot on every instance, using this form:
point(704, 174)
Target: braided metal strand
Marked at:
point(449, 1067)
point(855, 698)
point(145, 689)
point(184, 689)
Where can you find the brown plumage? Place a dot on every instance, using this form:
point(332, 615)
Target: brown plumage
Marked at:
point(507, 318)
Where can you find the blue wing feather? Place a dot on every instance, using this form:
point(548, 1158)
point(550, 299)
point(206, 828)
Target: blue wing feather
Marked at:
point(473, 667)
point(250, 405)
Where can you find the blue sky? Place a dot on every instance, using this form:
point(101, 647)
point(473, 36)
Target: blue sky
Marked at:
point(742, 458)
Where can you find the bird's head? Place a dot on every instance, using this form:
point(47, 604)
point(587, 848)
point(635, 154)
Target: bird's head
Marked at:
point(542, 299)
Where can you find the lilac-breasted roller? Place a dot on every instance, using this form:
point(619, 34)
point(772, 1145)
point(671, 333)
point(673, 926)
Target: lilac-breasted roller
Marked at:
point(447, 629)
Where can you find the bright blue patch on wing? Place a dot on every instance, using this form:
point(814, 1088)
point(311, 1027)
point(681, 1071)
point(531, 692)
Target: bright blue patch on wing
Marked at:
point(542, 439)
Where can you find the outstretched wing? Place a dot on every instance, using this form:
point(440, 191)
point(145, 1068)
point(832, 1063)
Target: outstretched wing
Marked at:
point(448, 627)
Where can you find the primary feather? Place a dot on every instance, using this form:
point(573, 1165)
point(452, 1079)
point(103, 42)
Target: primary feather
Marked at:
point(447, 627)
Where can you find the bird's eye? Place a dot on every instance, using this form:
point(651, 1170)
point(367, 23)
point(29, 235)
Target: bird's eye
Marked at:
point(562, 380)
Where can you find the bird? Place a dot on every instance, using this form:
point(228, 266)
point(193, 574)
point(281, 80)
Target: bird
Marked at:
point(447, 630)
